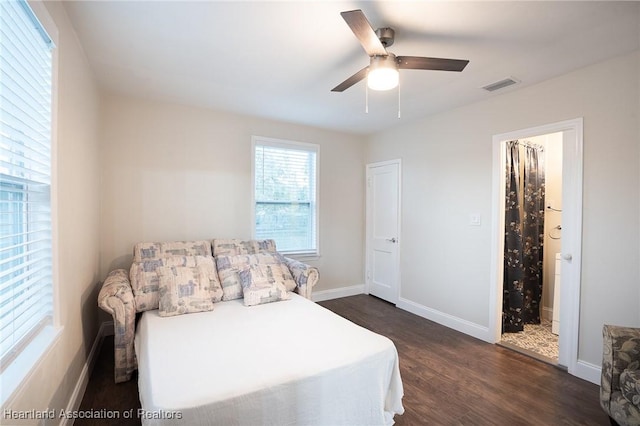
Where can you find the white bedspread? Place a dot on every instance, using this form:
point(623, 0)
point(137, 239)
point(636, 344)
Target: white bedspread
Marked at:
point(283, 363)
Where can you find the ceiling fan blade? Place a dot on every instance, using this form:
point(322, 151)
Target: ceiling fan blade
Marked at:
point(439, 64)
point(360, 75)
point(364, 32)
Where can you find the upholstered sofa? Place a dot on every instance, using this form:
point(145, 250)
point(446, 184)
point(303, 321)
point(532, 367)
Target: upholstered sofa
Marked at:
point(126, 293)
point(620, 381)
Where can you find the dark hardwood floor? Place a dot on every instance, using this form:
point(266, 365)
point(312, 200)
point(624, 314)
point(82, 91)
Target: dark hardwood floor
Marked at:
point(103, 393)
point(449, 378)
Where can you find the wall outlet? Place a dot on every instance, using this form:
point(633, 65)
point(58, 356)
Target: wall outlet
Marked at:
point(475, 219)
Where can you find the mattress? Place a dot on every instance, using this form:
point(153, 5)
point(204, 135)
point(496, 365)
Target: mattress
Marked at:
point(283, 363)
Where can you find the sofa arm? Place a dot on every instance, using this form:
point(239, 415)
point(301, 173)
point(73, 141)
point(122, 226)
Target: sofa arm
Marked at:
point(621, 348)
point(306, 276)
point(116, 298)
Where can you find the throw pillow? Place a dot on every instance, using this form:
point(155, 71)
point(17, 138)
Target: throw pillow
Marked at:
point(230, 266)
point(185, 290)
point(145, 281)
point(262, 283)
point(236, 247)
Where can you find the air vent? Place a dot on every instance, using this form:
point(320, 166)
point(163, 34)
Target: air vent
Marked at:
point(500, 84)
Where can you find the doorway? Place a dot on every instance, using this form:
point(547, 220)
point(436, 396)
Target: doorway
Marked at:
point(533, 237)
point(569, 135)
point(383, 230)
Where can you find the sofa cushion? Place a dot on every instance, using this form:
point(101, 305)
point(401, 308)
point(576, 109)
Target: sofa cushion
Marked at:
point(150, 251)
point(185, 290)
point(262, 283)
point(237, 247)
point(145, 281)
point(630, 384)
point(229, 267)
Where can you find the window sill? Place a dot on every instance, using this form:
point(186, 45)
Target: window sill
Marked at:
point(302, 257)
point(23, 366)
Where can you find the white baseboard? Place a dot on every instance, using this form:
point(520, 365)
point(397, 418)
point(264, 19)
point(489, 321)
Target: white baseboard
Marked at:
point(587, 371)
point(336, 293)
point(83, 380)
point(458, 324)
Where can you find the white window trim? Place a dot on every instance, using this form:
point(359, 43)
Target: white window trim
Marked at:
point(26, 363)
point(282, 143)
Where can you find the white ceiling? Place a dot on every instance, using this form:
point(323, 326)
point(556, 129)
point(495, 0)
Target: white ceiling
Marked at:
point(281, 59)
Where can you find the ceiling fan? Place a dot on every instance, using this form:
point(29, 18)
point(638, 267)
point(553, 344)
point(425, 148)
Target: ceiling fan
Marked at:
point(382, 72)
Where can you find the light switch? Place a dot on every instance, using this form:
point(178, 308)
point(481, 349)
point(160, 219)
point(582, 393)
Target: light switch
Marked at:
point(475, 219)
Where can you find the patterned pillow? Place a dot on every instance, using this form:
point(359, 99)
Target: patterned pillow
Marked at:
point(145, 281)
point(262, 283)
point(185, 290)
point(230, 266)
point(236, 247)
point(149, 251)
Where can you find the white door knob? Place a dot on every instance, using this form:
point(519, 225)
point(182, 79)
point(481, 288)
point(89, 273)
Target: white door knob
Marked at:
point(567, 256)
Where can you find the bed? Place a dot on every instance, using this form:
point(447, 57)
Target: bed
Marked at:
point(289, 362)
point(200, 322)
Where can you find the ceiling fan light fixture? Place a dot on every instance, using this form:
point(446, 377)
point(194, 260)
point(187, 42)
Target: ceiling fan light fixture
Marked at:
point(383, 73)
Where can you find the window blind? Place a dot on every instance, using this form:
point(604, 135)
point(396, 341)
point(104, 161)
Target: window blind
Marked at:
point(285, 195)
point(26, 301)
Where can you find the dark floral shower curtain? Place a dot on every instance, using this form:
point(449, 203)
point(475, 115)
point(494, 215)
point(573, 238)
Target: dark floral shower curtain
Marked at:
point(524, 236)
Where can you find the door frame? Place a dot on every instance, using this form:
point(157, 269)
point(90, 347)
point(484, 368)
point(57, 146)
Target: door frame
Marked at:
point(368, 212)
point(572, 188)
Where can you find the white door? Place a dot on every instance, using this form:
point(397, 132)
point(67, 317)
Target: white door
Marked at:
point(383, 230)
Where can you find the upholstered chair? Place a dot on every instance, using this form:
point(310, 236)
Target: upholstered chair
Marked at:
point(620, 381)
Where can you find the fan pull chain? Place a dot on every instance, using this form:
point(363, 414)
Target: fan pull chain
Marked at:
point(398, 100)
point(366, 99)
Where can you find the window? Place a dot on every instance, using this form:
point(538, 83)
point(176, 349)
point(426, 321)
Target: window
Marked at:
point(285, 194)
point(26, 288)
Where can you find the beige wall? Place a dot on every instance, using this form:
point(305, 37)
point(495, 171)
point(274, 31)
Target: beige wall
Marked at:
point(447, 166)
point(172, 172)
point(77, 191)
